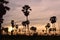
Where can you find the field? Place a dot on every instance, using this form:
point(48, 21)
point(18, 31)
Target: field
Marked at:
point(24, 37)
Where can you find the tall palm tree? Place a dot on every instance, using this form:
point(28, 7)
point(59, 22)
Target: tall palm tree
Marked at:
point(3, 10)
point(26, 12)
point(53, 21)
point(47, 26)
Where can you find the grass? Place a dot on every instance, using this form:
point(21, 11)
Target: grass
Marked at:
point(24, 37)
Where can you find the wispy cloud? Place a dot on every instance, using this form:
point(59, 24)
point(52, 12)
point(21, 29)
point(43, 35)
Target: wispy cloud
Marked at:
point(40, 9)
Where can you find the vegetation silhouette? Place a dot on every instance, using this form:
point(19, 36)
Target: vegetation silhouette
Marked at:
point(52, 29)
point(16, 26)
point(34, 30)
point(4, 1)
point(3, 10)
point(43, 30)
point(25, 23)
point(12, 24)
point(26, 12)
point(5, 30)
point(47, 26)
point(53, 21)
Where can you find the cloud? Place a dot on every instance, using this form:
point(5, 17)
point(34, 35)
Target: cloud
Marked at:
point(40, 9)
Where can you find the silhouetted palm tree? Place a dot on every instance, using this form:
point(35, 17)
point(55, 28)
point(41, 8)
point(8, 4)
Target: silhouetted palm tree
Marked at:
point(3, 10)
point(24, 26)
point(53, 21)
point(16, 26)
point(47, 26)
point(25, 23)
point(12, 24)
point(52, 29)
point(33, 28)
point(26, 12)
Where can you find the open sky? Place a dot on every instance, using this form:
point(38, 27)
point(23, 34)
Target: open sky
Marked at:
point(41, 12)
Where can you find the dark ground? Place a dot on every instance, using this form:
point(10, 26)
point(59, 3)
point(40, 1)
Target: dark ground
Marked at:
point(24, 37)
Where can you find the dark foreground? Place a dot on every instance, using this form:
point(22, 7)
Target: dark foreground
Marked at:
point(24, 37)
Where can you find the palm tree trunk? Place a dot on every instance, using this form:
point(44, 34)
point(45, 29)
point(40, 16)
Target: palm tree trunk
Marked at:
point(46, 30)
point(26, 17)
point(28, 28)
point(25, 29)
point(53, 25)
point(27, 25)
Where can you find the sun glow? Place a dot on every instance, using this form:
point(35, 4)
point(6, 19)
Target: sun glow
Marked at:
point(10, 29)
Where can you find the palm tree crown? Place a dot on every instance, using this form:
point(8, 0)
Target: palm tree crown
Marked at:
point(53, 19)
point(25, 10)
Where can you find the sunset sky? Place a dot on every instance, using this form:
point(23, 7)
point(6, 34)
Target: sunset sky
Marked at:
point(41, 12)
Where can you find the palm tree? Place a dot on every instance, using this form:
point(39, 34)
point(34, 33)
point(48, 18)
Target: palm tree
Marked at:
point(33, 28)
point(3, 10)
point(53, 21)
point(24, 26)
point(26, 12)
point(12, 24)
point(16, 26)
point(52, 29)
point(47, 26)
point(25, 23)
